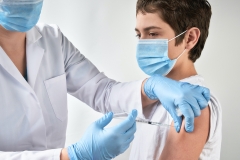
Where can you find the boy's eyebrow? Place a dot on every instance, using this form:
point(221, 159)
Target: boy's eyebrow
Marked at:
point(148, 28)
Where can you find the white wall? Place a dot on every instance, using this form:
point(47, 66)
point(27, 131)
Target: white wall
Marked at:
point(103, 30)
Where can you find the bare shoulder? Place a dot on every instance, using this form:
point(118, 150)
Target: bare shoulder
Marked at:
point(188, 146)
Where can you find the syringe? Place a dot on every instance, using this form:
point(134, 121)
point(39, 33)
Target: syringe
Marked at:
point(140, 120)
point(153, 123)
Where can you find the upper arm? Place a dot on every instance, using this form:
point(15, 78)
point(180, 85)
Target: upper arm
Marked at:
point(188, 146)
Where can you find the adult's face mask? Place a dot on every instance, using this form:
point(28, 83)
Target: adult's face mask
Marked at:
point(152, 56)
point(20, 15)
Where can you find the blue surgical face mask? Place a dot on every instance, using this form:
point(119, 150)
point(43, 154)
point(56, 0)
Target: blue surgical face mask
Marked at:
point(152, 56)
point(20, 15)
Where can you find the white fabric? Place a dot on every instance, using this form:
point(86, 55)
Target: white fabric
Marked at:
point(33, 114)
point(150, 140)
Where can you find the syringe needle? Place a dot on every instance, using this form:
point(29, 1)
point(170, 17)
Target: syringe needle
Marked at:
point(153, 123)
point(141, 120)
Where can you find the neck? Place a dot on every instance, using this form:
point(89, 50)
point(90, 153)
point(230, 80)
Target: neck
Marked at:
point(11, 41)
point(182, 70)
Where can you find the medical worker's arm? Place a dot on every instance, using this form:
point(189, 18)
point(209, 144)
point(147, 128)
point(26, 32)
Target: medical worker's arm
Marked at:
point(98, 142)
point(53, 154)
point(85, 82)
point(188, 146)
point(64, 154)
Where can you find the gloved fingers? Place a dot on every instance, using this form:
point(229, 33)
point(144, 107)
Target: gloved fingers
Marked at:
point(127, 123)
point(202, 96)
point(129, 140)
point(189, 116)
point(177, 120)
point(198, 90)
point(105, 120)
point(206, 93)
point(202, 102)
point(127, 143)
point(148, 88)
point(124, 148)
point(71, 152)
point(194, 105)
point(130, 132)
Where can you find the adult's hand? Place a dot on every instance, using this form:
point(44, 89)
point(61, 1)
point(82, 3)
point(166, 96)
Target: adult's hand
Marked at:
point(174, 95)
point(99, 143)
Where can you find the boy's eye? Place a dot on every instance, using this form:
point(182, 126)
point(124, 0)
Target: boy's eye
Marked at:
point(153, 34)
point(138, 36)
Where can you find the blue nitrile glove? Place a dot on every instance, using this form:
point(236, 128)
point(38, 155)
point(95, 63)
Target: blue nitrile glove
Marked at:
point(190, 99)
point(99, 143)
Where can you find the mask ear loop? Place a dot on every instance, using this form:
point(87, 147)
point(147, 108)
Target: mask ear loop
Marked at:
point(181, 54)
point(177, 36)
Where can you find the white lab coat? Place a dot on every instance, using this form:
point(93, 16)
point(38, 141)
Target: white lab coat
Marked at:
point(33, 114)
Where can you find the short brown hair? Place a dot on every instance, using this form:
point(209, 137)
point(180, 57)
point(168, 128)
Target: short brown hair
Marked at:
point(182, 15)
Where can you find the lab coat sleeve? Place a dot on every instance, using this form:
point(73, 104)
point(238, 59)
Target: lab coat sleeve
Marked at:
point(53, 154)
point(85, 82)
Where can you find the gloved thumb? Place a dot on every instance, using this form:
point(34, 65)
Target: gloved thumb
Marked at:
point(177, 119)
point(127, 123)
point(206, 93)
point(105, 120)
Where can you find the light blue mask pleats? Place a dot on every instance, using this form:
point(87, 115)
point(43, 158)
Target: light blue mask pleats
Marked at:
point(20, 17)
point(17, 2)
point(152, 56)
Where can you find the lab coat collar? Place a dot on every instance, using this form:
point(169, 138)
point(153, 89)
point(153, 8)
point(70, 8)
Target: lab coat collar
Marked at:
point(35, 54)
point(34, 57)
point(33, 35)
point(10, 68)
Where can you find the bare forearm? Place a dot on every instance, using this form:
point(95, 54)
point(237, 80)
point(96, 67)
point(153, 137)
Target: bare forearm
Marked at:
point(64, 154)
point(145, 100)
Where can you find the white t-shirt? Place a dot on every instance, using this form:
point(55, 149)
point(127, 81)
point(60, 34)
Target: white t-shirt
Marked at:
point(150, 140)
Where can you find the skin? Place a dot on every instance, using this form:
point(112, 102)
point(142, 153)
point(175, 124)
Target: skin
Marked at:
point(64, 154)
point(182, 145)
point(14, 45)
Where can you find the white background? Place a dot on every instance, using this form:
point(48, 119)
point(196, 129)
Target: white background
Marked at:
point(103, 30)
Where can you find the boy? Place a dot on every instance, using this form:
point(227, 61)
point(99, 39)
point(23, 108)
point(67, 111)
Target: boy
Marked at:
point(172, 34)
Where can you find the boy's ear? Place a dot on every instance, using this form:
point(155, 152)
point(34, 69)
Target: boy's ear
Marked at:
point(192, 37)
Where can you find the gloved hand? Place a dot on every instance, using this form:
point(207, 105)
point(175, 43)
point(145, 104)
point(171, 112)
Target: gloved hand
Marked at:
point(190, 99)
point(99, 143)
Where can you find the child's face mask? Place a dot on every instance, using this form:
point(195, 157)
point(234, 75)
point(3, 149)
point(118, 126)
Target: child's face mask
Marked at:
point(152, 56)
